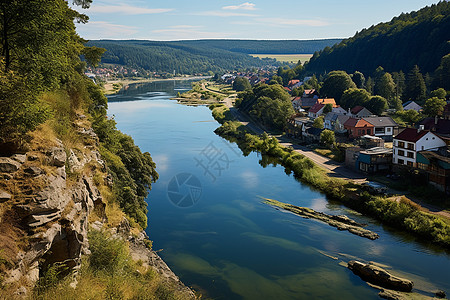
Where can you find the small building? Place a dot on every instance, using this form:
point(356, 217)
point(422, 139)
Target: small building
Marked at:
point(329, 121)
point(358, 127)
point(412, 105)
point(360, 112)
point(438, 126)
point(326, 101)
point(370, 141)
point(384, 127)
point(311, 134)
point(375, 160)
point(437, 168)
point(410, 141)
point(339, 110)
point(316, 110)
point(339, 124)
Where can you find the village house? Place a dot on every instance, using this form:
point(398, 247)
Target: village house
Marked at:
point(316, 110)
point(360, 112)
point(327, 101)
point(384, 127)
point(436, 167)
point(410, 141)
point(358, 127)
point(339, 123)
point(294, 83)
point(440, 127)
point(329, 121)
point(370, 161)
point(412, 105)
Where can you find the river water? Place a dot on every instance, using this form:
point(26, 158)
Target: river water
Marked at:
point(207, 217)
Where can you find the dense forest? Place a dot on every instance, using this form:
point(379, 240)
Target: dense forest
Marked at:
point(201, 56)
point(416, 38)
point(169, 57)
point(265, 46)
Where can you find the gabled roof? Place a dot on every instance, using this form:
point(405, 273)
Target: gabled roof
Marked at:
point(343, 118)
point(356, 109)
point(316, 108)
point(381, 121)
point(308, 102)
point(328, 101)
point(309, 92)
point(314, 131)
point(353, 122)
point(331, 116)
point(411, 135)
point(293, 82)
point(440, 126)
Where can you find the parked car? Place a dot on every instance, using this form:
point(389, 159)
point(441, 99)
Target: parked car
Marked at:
point(374, 187)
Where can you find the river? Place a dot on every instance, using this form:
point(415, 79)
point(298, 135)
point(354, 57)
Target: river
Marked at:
point(207, 218)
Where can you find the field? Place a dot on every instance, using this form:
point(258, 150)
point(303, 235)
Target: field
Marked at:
point(289, 58)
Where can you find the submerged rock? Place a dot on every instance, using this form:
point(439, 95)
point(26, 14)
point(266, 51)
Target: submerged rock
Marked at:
point(340, 222)
point(379, 276)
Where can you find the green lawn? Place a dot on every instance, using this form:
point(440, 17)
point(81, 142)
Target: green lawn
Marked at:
point(290, 58)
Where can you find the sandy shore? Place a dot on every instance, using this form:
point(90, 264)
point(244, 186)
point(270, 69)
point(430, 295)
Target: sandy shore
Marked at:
point(108, 88)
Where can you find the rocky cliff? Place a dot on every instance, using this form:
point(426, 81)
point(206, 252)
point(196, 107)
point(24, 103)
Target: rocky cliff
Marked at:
point(48, 196)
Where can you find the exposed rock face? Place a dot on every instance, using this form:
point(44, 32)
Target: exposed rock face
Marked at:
point(52, 213)
point(379, 276)
point(8, 165)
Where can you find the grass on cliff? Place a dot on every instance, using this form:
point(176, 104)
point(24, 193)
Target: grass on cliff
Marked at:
point(399, 214)
point(108, 273)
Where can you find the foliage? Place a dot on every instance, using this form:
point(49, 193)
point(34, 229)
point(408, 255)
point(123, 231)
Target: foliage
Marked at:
point(263, 47)
point(270, 104)
point(376, 105)
point(327, 138)
point(318, 122)
point(354, 97)
point(443, 73)
point(108, 254)
point(241, 84)
point(419, 37)
point(385, 86)
point(328, 108)
point(359, 79)
point(415, 86)
point(335, 84)
point(438, 93)
point(93, 55)
point(174, 56)
point(20, 109)
point(434, 106)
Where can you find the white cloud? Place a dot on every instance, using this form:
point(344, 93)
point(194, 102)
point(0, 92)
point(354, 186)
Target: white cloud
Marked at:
point(243, 6)
point(214, 13)
point(105, 30)
point(127, 9)
point(293, 22)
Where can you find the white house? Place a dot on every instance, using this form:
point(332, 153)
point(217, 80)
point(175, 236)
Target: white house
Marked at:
point(410, 141)
point(316, 110)
point(384, 127)
point(412, 105)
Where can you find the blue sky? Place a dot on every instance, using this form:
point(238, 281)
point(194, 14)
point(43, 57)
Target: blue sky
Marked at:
point(229, 19)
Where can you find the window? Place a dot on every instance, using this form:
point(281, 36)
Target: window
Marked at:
point(401, 162)
point(401, 144)
point(410, 164)
point(410, 154)
point(422, 166)
point(401, 153)
point(388, 129)
point(410, 146)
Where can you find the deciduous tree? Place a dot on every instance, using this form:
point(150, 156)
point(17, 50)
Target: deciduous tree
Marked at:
point(335, 84)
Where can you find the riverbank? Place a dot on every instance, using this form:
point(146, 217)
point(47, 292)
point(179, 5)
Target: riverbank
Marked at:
point(114, 86)
point(397, 212)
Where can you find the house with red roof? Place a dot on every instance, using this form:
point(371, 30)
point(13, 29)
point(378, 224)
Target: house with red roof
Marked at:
point(358, 127)
point(410, 141)
point(292, 84)
point(316, 110)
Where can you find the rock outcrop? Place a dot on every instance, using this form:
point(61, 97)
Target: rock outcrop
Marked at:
point(51, 209)
point(380, 277)
point(340, 222)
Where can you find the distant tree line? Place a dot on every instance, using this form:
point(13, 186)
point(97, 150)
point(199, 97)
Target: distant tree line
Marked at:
point(170, 57)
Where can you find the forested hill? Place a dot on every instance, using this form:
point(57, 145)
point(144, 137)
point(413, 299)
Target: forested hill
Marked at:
point(265, 46)
point(418, 38)
point(200, 56)
point(169, 57)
